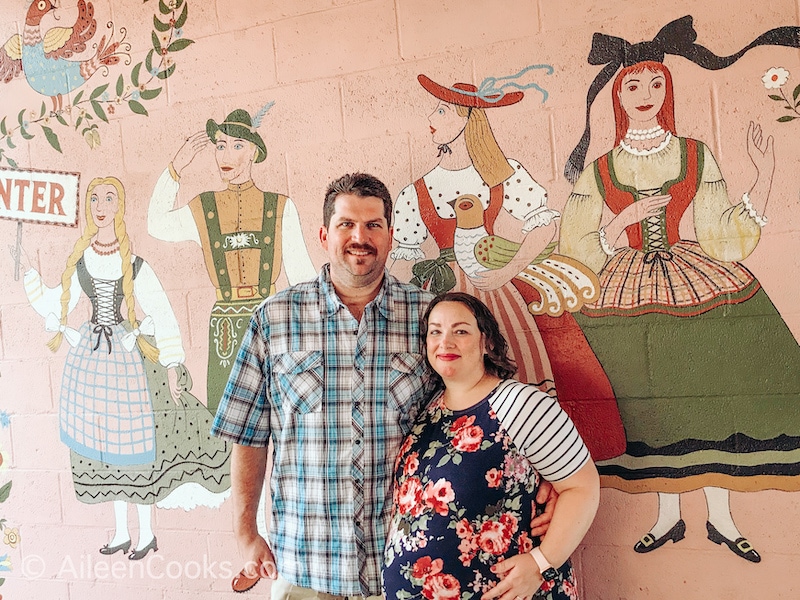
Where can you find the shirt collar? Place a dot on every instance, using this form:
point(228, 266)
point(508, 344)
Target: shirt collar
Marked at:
point(240, 187)
point(330, 302)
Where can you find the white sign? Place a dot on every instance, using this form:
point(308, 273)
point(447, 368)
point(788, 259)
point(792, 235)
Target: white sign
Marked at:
point(39, 196)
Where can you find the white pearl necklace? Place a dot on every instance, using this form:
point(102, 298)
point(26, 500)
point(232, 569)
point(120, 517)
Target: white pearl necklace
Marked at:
point(645, 134)
point(636, 152)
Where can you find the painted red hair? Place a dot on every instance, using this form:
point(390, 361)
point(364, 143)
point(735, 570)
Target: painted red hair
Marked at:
point(665, 117)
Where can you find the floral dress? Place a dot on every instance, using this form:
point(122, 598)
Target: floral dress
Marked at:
point(464, 494)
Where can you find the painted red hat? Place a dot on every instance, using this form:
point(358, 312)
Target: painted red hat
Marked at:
point(466, 94)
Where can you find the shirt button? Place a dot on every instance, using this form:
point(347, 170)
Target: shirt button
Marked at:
point(358, 442)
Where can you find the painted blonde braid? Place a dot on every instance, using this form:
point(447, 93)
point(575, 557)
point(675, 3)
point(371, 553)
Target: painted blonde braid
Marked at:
point(487, 157)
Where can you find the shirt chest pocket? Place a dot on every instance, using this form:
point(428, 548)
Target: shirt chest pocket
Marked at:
point(406, 381)
point(300, 379)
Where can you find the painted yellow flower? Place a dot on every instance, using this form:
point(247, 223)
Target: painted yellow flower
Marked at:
point(11, 537)
point(775, 78)
point(92, 137)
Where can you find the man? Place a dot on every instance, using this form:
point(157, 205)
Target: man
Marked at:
point(332, 371)
point(245, 234)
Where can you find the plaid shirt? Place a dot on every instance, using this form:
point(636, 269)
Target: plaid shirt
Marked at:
point(336, 396)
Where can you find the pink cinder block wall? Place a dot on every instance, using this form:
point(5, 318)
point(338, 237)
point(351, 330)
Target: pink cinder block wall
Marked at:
point(343, 77)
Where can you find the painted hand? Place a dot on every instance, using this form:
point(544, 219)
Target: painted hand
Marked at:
point(175, 388)
point(493, 278)
point(190, 148)
point(519, 578)
point(761, 152)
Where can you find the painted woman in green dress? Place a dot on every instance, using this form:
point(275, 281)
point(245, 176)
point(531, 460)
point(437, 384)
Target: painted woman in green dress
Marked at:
point(702, 364)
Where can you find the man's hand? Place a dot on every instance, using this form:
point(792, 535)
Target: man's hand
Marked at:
point(260, 561)
point(547, 496)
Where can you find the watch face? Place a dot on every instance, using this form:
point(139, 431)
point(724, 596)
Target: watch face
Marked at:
point(550, 574)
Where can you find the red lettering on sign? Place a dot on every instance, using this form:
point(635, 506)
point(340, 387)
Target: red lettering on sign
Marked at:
point(56, 196)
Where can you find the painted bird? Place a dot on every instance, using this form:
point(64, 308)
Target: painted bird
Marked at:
point(43, 57)
point(551, 284)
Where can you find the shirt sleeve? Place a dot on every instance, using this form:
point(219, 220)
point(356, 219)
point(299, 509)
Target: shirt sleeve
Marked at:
point(540, 429)
point(46, 300)
point(150, 295)
point(164, 223)
point(243, 416)
point(579, 237)
point(409, 230)
point(526, 200)
point(296, 261)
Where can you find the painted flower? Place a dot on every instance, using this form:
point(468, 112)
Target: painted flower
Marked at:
point(441, 587)
point(494, 477)
point(135, 95)
point(5, 563)
point(11, 537)
point(412, 464)
point(5, 419)
point(409, 498)
point(437, 496)
point(494, 538)
point(775, 78)
point(426, 566)
point(468, 439)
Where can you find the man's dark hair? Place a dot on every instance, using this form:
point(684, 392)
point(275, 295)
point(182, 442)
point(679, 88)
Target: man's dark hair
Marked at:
point(363, 185)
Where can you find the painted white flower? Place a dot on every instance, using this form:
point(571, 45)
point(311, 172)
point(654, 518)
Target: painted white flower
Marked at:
point(240, 240)
point(775, 78)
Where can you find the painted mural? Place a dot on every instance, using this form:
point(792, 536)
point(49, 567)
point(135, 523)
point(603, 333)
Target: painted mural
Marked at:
point(533, 290)
point(136, 435)
point(699, 411)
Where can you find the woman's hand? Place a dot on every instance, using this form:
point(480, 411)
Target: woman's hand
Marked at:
point(193, 145)
point(494, 278)
point(519, 578)
point(634, 213)
point(175, 388)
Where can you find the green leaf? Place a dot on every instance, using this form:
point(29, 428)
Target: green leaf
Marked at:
point(52, 138)
point(61, 119)
point(159, 26)
point(5, 491)
point(786, 119)
point(11, 144)
point(78, 98)
point(135, 74)
point(181, 20)
point(162, 6)
point(2, 580)
point(156, 43)
point(19, 117)
point(120, 85)
point(99, 90)
point(179, 44)
point(148, 60)
point(24, 133)
point(3, 129)
point(776, 97)
point(78, 122)
point(11, 162)
point(137, 107)
point(44, 109)
point(98, 110)
point(166, 72)
point(150, 94)
point(796, 92)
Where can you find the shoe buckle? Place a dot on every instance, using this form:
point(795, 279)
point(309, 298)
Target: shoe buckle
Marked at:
point(745, 546)
point(647, 540)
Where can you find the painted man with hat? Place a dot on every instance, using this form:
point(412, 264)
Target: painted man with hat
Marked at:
point(245, 233)
point(534, 292)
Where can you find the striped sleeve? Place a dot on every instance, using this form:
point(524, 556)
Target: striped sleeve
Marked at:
point(540, 429)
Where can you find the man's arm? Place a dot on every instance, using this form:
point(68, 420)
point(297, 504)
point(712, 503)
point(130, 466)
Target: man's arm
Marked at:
point(248, 467)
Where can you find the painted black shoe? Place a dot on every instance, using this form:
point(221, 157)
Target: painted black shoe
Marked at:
point(740, 546)
point(140, 554)
point(124, 546)
point(648, 543)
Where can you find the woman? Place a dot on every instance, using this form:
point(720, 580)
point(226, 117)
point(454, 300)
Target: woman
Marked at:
point(466, 477)
point(703, 366)
point(458, 203)
point(129, 443)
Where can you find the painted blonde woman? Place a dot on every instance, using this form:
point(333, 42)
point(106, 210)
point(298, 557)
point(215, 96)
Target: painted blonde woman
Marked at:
point(136, 435)
point(531, 290)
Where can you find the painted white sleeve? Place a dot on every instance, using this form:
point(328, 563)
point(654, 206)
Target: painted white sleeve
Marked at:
point(526, 200)
point(46, 300)
point(150, 295)
point(296, 260)
point(409, 230)
point(540, 429)
point(164, 223)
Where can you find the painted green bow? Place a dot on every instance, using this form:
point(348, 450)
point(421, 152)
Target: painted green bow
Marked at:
point(435, 274)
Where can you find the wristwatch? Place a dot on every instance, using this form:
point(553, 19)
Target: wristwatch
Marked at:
point(547, 570)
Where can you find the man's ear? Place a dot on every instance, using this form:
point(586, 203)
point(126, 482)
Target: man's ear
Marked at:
point(323, 237)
